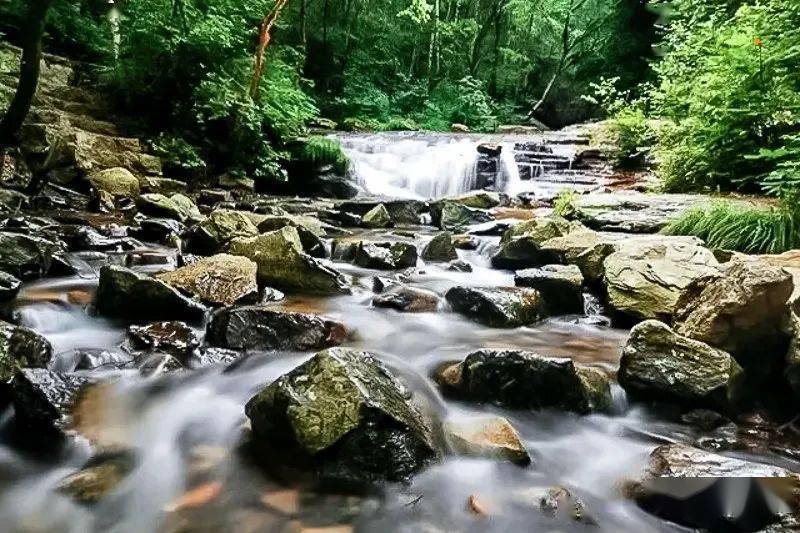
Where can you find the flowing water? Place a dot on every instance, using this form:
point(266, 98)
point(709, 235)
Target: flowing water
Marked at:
point(187, 427)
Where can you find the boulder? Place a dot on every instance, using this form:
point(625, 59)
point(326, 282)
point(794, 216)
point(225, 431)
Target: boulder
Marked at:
point(161, 230)
point(585, 249)
point(186, 207)
point(220, 280)
point(9, 286)
point(561, 286)
point(26, 256)
point(440, 248)
point(123, 293)
point(218, 229)
point(377, 217)
point(741, 310)
point(408, 299)
point(492, 437)
point(401, 211)
point(683, 461)
point(385, 255)
point(21, 347)
point(465, 242)
point(118, 182)
point(98, 477)
point(274, 222)
point(633, 212)
point(459, 266)
point(261, 328)
point(42, 403)
point(173, 337)
point(524, 380)
point(347, 412)
point(645, 279)
point(658, 363)
point(282, 263)
point(521, 245)
point(498, 307)
point(455, 216)
point(159, 205)
point(161, 185)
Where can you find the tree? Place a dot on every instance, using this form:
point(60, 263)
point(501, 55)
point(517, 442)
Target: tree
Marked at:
point(31, 34)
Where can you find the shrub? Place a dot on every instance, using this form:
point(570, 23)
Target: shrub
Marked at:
point(735, 226)
point(564, 203)
point(318, 152)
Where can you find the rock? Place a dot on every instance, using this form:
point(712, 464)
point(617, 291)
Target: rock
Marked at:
point(274, 222)
point(210, 197)
point(231, 181)
point(560, 503)
point(385, 256)
point(218, 229)
point(9, 286)
point(561, 286)
point(633, 212)
point(26, 256)
point(499, 307)
point(401, 211)
point(455, 216)
point(459, 266)
point(123, 293)
point(645, 279)
point(492, 437)
point(440, 248)
point(524, 380)
point(740, 310)
point(260, 328)
point(21, 347)
point(222, 279)
point(409, 299)
point(42, 403)
point(465, 242)
point(283, 264)
point(174, 338)
point(521, 245)
point(118, 182)
point(659, 364)
point(186, 207)
point(160, 185)
point(585, 249)
point(345, 410)
point(160, 230)
point(377, 217)
point(490, 149)
point(158, 205)
point(459, 128)
point(682, 461)
point(98, 477)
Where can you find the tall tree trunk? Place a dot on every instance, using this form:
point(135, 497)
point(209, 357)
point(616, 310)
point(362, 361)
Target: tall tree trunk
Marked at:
point(263, 42)
point(32, 31)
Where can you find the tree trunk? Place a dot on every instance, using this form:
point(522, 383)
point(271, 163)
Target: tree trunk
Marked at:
point(32, 31)
point(263, 42)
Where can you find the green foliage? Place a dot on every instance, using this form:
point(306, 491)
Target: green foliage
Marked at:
point(318, 152)
point(564, 203)
point(736, 226)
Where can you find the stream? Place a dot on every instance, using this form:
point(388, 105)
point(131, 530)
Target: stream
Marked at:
point(186, 426)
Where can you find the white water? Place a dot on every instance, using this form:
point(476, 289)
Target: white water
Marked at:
point(422, 166)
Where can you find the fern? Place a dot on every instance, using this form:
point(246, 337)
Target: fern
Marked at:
point(734, 226)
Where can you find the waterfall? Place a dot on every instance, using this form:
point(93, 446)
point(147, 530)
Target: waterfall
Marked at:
point(416, 166)
point(508, 179)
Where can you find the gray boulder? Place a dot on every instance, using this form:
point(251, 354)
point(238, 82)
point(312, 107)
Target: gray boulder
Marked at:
point(26, 256)
point(123, 293)
point(377, 217)
point(491, 437)
point(524, 380)
point(521, 245)
point(498, 307)
point(658, 363)
point(561, 286)
point(345, 411)
point(222, 279)
point(260, 328)
point(172, 337)
point(440, 248)
point(385, 255)
point(408, 299)
point(455, 216)
point(21, 347)
point(218, 229)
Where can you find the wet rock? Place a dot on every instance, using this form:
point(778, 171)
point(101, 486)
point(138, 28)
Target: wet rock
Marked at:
point(645, 279)
point(490, 149)
point(21, 347)
point(211, 197)
point(218, 229)
point(9, 286)
point(741, 310)
point(116, 182)
point(222, 279)
point(633, 212)
point(90, 359)
point(186, 207)
point(492, 437)
point(682, 461)
point(409, 299)
point(482, 200)
point(521, 245)
point(345, 410)
point(283, 264)
point(459, 266)
point(401, 211)
point(98, 477)
point(377, 217)
point(12, 201)
point(465, 242)
point(160, 185)
point(26, 256)
point(260, 328)
point(561, 286)
point(160, 230)
point(440, 248)
point(524, 380)
point(42, 402)
point(86, 238)
point(174, 338)
point(560, 504)
point(209, 356)
point(658, 363)
point(159, 205)
point(123, 293)
point(385, 255)
point(455, 216)
point(499, 307)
